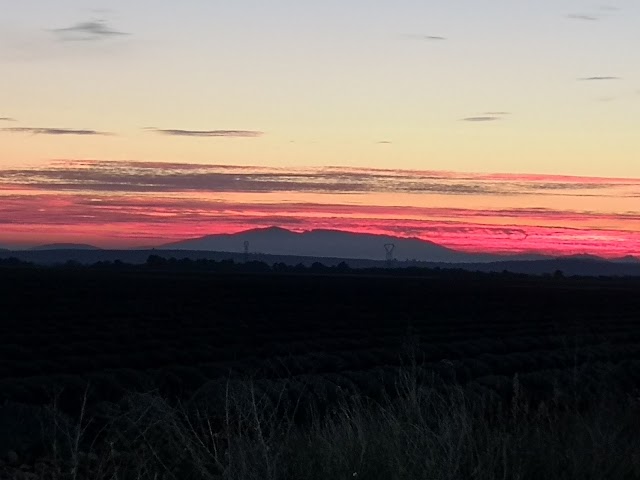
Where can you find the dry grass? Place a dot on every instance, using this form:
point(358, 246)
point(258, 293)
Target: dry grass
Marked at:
point(436, 432)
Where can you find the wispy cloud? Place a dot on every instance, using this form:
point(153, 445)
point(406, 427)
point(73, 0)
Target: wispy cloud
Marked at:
point(150, 177)
point(429, 38)
point(482, 118)
point(88, 31)
point(7, 119)
point(583, 16)
point(598, 78)
point(54, 131)
point(609, 9)
point(595, 15)
point(384, 142)
point(206, 133)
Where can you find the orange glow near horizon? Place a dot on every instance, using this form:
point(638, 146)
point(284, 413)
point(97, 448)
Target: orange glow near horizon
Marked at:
point(134, 204)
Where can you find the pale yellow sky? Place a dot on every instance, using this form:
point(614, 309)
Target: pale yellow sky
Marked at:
point(326, 83)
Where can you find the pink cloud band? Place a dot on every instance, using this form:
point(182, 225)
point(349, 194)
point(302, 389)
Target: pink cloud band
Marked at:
point(136, 203)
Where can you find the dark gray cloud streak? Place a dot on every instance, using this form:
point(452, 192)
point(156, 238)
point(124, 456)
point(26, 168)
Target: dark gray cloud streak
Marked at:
point(428, 38)
point(598, 78)
point(148, 177)
point(594, 16)
point(7, 119)
point(482, 118)
point(87, 31)
point(206, 133)
point(583, 16)
point(54, 131)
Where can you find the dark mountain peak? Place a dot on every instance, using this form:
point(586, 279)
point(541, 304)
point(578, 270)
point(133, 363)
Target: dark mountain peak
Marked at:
point(375, 236)
point(269, 230)
point(344, 233)
point(330, 243)
point(322, 243)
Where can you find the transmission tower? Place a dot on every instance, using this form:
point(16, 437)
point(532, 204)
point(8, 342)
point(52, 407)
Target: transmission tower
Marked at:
point(389, 249)
point(246, 251)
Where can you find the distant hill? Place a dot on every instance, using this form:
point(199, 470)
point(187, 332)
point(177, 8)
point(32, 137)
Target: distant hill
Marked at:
point(330, 247)
point(65, 246)
point(331, 243)
point(568, 266)
point(628, 259)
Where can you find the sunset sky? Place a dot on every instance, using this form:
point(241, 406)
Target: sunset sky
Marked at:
point(497, 126)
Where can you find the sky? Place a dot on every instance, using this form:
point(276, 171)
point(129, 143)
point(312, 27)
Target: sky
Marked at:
point(496, 126)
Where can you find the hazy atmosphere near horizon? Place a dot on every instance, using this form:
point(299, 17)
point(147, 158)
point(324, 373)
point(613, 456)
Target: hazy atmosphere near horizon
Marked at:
point(510, 127)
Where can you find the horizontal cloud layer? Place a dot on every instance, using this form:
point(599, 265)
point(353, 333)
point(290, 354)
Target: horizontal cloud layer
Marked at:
point(53, 131)
point(598, 78)
point(436, 38)
point(482, 118)
point(582, 16)
point(149, 177)
point(206, 133)
point(90, 30)
point(143, 203)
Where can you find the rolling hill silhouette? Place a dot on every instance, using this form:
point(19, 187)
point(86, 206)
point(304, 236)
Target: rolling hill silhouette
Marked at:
point(332, 243)
point(330, 247)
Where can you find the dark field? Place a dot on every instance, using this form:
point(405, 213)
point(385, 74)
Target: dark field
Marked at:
point(175, 331)
point(181, 335)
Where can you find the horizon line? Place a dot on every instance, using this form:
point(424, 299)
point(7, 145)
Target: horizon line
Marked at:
point(165, 246)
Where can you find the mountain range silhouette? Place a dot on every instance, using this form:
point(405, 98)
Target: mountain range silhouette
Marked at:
point(334, 243)
point(329, 247)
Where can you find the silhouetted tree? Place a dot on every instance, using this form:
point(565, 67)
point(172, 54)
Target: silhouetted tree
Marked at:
point(156, 261)
point(343, 267)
